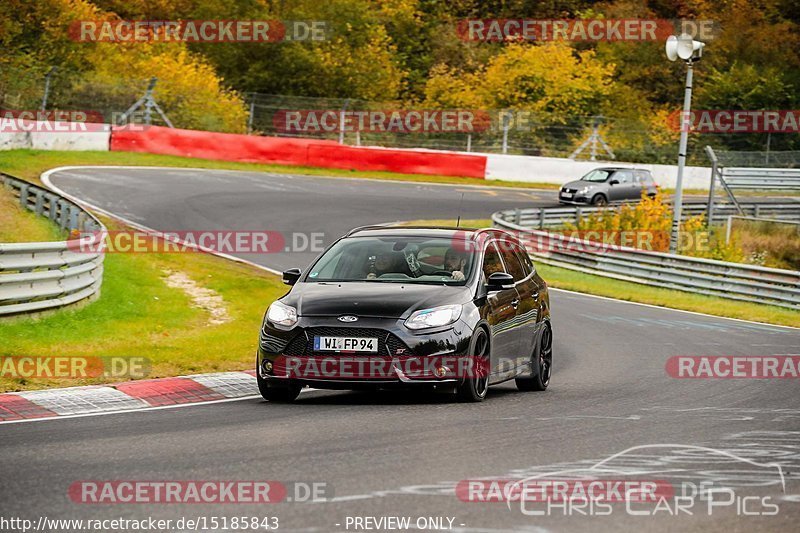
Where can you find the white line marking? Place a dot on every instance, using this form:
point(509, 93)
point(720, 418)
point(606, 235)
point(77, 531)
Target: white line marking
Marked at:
point(143, 409)
point(288, 174)
point(140, 410)
point(675, 310)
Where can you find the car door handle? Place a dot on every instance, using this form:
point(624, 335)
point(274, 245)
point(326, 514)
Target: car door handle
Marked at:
point(514, 303)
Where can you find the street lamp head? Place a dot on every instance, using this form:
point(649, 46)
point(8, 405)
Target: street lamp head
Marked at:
point(683, 47)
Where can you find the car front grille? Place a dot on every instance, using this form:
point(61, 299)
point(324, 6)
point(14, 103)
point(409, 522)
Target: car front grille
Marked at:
point(388, 343)
point(564, 189)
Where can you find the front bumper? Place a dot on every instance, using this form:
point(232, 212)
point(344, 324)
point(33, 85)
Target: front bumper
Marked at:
point(404, 359)
point(575, 199)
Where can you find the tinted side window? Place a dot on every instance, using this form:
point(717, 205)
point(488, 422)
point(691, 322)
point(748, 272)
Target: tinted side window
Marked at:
point(491, 261)
point(512, 261)
point(525, 259)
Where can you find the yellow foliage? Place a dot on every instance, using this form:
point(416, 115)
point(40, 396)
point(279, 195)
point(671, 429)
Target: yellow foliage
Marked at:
point(650, 220)
point(369, 70)
point(188, 90)
point(550, 78)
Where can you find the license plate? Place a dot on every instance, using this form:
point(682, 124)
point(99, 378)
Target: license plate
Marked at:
point(345, 344)
point(566, 195)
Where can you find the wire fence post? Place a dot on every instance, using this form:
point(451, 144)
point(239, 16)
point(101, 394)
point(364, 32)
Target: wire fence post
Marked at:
point(469, 142)
point(252, 112)
point(505, 132)
point(341, 121)
point(47, 86)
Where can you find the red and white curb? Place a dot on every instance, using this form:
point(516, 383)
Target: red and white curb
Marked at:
point(127, 396)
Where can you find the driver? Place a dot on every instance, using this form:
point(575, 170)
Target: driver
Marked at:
point(384, 263)
point(454, 263)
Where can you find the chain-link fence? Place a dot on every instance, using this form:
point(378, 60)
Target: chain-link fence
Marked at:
point(509, 131)
point(759, 159)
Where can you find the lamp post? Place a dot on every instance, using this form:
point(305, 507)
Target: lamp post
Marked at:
point(690, 51)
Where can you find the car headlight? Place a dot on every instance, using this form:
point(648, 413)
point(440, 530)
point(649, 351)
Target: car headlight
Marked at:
point(434, 317)
point(280, 313)
point(584, 190)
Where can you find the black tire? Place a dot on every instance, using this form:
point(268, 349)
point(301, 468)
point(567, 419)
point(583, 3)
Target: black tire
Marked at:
point(278, 394)
point(541, 362)
point(474, 388)
point(599, 200)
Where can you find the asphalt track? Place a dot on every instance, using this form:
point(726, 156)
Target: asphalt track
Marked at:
point(395, 454)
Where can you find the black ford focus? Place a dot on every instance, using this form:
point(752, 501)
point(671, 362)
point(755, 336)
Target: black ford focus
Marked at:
point(384, 307)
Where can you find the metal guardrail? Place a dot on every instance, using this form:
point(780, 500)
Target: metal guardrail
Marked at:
point(762, 178)
point(734, 281)
point(39, 276)
point(545, 217)
point(733, 178)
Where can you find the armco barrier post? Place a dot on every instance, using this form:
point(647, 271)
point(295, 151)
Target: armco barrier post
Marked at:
point(714, 169)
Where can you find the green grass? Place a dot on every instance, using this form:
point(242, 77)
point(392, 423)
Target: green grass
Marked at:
point(137, 314)
point(20, 225)
point(29, 164)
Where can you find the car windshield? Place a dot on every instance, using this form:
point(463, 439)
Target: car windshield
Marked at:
point(597, 175)
point(396, 259)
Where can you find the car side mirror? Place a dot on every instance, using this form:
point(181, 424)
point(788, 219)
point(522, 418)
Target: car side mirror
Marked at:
point(500, 281)
point(291, 276)
point(613, 182)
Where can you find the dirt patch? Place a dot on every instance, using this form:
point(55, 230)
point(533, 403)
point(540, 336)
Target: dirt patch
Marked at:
point(203, 298)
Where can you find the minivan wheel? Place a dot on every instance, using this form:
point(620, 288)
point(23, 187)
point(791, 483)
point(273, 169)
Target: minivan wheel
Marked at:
point(543, 359)
point(286, 394)
point(599, 199)
point(474, 388)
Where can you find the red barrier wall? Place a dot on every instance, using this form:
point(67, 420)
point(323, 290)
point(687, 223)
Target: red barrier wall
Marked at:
point(392, 160)
point(283, 151)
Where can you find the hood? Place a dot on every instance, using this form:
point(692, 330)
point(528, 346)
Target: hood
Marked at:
point(579, 184)
point(370, 299)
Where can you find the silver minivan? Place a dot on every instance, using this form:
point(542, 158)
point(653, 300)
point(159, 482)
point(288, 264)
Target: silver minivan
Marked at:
point(602, 186)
